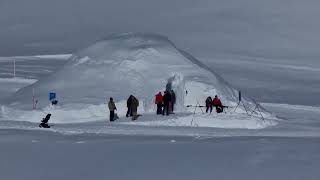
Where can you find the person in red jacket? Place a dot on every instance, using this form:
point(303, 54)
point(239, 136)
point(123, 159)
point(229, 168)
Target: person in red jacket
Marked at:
point(217, 103)
point(159, 102)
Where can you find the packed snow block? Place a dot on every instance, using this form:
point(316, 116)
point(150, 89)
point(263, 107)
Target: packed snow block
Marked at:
point(123, 64)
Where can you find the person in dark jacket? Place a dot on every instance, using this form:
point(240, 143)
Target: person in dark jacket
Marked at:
point(129, 102)
point(134, 108)
point(173, 100)
point(112, 107)
point(166, 102)
point(209, 104)
point(159, 102)
point(217, 103)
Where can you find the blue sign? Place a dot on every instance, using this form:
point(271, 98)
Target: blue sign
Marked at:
point(52, 96)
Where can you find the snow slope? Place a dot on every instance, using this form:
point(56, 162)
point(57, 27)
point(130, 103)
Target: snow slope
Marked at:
point(120, 65)
point(139, 64)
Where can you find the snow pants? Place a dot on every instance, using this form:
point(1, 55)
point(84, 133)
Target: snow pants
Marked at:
point(209, 107)
point(159, 108)
point(111, 116)
point(166, 109)
point(129, 112)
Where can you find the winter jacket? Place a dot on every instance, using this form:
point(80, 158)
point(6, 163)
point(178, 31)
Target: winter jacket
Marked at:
point(208, 101)
point(166, 98)
point(134, 103)
point(134, 106)
point(129, 101)
point(111, 106)
point(173, 97)
point(216, 102)
point(159, 99)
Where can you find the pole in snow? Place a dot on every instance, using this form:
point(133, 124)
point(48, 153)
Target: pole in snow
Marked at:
point(14, 68)
point(33, 101)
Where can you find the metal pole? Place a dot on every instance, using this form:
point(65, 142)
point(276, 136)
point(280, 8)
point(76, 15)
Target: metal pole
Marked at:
point(33, 103)
point(14, 68)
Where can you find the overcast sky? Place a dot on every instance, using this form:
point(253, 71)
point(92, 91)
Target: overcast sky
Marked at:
point(285, 29)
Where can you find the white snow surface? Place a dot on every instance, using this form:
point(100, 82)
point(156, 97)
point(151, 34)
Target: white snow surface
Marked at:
point(36, 57)
point(139, 64)
point(18, 80)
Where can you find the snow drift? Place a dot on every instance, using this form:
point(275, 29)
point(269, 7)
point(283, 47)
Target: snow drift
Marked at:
point(120, 65)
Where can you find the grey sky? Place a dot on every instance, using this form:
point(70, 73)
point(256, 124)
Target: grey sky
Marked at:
point(284, 29)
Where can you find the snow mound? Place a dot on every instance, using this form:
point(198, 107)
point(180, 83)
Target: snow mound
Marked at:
point(118, 66)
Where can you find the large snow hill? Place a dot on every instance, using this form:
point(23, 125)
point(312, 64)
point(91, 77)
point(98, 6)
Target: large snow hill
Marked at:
point(118, 66)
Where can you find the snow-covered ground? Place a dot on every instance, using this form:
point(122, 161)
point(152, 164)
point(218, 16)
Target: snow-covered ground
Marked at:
point(268, 49)
point(293, 122)
point(181, 146)
point(44, 155)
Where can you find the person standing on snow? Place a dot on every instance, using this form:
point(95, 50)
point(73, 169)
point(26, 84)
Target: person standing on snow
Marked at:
point(159, 102)
point(217, 103)
point(209, 104)
point(166, 102)
point(112, 108)
point(134, 108)
point(173, 100)
point(129, 102)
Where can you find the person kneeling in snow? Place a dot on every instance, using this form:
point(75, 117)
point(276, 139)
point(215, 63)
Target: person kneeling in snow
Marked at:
point(112, 108)
point(217, 103)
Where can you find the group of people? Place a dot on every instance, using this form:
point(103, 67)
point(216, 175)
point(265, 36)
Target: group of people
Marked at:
point(132, 105)
point(216, 102)
point(165, 103)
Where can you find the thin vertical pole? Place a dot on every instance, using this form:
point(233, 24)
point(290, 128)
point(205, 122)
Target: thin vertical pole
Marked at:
point(14, 68)
point(33, 103)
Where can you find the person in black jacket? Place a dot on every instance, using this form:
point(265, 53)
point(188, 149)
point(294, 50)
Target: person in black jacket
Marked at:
point(209, 104)
point(166, 101)
point(173, 100)
point(129, 102)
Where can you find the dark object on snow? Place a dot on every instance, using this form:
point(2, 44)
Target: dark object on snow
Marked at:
point(44, 122)
point(166, 101)
point(173, 100)
point(209, 104)
point(129, 102)
point(134, 108)
point(54, 102)
point(112, 108)
point(219, 109)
